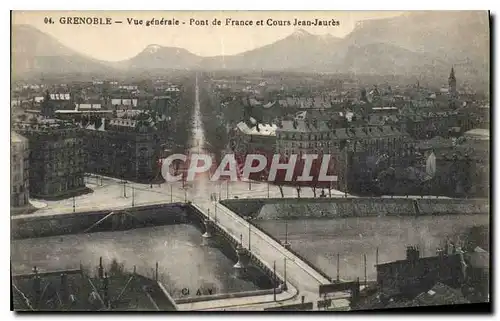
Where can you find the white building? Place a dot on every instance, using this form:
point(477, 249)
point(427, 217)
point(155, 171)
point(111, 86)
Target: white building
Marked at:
point(19, 165)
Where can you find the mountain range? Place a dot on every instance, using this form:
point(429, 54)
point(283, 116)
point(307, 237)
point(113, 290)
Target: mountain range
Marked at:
point(415, 43)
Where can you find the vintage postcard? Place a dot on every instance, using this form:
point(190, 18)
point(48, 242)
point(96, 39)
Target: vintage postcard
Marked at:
point(250, 160)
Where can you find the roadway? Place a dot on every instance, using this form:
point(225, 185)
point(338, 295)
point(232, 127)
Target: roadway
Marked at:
point(298, 274)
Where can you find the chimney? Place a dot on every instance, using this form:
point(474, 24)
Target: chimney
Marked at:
point(412, 254)
point(64, 288)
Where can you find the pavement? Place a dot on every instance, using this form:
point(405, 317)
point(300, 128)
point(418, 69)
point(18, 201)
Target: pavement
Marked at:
point(109, 193)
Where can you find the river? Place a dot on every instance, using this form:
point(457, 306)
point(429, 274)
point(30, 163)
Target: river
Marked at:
point(182, 261)
point(319, 240)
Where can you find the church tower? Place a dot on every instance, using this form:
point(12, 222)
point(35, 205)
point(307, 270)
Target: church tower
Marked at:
point(452, 84)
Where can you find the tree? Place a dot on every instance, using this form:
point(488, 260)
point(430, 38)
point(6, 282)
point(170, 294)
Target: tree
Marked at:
point(22, 117)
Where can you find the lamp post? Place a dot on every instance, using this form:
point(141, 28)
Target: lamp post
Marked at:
point(346, 165)
point(338, 267)
point(364, 259)
point(284, 284)
point(274, 281)
point(249, 233)
point(124, 188)
point(286, 232)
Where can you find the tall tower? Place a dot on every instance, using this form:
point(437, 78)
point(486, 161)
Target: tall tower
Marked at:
point(452, 84)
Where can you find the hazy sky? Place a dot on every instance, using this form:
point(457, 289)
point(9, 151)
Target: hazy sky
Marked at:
point(121, 41)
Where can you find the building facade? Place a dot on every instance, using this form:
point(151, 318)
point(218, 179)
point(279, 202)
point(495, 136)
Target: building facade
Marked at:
point(56, 157)
point(124, 148)
point(19, 171)
point(357, 153)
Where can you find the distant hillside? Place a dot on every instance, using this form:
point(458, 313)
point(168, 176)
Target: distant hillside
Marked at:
point(416, 43)
point(293, 52)
point(454, 36)
point(159, 57)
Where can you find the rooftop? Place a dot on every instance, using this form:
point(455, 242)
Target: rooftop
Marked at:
point(440, 294)
point(436, 142)
point(124, 102)
point(39, 124)
point(478, 133)
point(302, 126)
point(59, 96)
point(17, 138)
point(258, 129)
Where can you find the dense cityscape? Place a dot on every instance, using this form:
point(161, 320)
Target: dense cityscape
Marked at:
point(405, 224)
point(380, 137)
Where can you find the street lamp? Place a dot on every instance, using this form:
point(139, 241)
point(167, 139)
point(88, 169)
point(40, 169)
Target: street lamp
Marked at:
point(284, 284)
point(286, 232)
point(124, 188)
point(346, 165)
point(286, 244)
point(249, 233)
point(274, 280)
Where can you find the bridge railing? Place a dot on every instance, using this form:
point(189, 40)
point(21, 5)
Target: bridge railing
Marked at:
point(291, 250)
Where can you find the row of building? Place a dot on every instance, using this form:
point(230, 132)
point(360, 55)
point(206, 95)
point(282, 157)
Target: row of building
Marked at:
point(50, 157)
point(373, 145)
point(364, 154)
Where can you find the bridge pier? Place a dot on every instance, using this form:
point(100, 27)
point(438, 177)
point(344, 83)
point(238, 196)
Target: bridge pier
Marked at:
point(207, 237)
point(241, 266)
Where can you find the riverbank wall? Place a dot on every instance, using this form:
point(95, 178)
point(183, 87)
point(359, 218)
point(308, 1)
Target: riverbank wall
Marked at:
point(280, 208)
point(145, 216)
point(98, 221)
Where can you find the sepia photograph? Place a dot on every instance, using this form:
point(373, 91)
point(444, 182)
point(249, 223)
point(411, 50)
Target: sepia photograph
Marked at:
point(208, 161)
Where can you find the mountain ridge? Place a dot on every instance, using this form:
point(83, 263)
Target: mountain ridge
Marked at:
point(411, 43)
